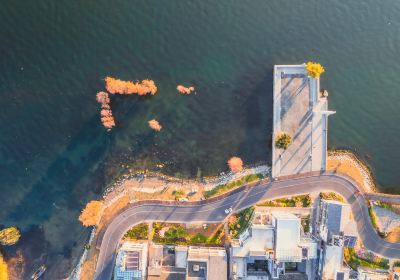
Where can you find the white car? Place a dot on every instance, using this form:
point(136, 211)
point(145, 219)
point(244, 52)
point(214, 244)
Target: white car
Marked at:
point(228, 210)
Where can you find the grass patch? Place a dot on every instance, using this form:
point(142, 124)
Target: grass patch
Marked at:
point(396, 264)
point(331, 196)
point(199, 238)
point(354, 261)
point(138, 232)
point(239, 222)
point(373, 217)
point(220, 189)
point(177, 234)
point(296, 201)
point(174, 235)
point(384, 205)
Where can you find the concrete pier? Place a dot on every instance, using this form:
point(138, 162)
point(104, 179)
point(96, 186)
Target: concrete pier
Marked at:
point(302, 112)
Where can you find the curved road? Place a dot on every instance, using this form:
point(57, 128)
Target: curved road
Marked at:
point(213, 211)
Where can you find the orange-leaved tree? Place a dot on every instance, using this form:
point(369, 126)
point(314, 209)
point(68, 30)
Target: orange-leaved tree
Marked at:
point(235, 164)
point(91, 214)
point(107, 118)
point(154, 125)
point(184, 90)
point(117, 86)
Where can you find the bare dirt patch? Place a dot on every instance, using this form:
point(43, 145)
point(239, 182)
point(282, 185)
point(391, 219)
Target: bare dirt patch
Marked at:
point(394, 236)
point(348, 164)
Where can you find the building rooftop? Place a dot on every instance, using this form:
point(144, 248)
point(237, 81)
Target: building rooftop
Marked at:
point(131, 261)
point(336, 219)
point(155, 260)
point(284, 215)
point(287, 237)
point(206, 263)
point(260, 242)
point(333, 261)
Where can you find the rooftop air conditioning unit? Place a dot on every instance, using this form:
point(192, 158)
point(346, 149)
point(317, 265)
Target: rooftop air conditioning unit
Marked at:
point(196, 267)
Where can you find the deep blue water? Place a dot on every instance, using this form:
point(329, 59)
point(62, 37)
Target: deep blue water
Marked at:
point(54, 55)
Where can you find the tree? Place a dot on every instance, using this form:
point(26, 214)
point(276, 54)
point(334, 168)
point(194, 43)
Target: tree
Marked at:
point(283, 141)
point(9, 236)
point(107, 118)
point(235, 164)
point(116, 86)
point(154, 124)
point(184, 90)
point(91, 214)
point(314, 69)
point(102, 97)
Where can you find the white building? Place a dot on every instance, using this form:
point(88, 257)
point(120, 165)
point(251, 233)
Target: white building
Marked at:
point(335, 218)
point(333, 264)
point(271, 241)
point(131, 263)
point(206, 263)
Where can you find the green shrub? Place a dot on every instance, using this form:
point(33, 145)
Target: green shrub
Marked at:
point(283, 141)
point(373, 217)
point(175, 233)
point(138, 232)
point(331, 196)
point(178, 235)
point(241, 221)
point(178, 194)
point(355, 261)
point(296, 201)
point(228, 186)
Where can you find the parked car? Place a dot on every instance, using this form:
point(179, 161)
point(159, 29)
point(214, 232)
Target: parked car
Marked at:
point(228, 210)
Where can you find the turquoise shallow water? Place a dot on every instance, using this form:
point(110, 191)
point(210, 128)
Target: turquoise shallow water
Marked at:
point(55, 156)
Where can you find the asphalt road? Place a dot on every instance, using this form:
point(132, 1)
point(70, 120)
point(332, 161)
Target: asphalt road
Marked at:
point(213, 211)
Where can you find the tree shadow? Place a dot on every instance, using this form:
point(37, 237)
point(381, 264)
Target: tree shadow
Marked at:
point(257, 123)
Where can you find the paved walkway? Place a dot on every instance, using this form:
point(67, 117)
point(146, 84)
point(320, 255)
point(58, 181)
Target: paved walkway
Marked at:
point(302, 113)
point(213, 211)
point(387, 198)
